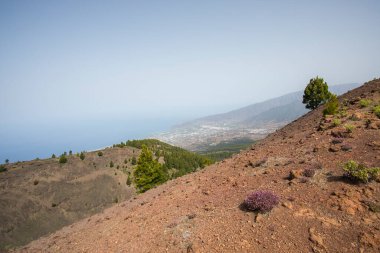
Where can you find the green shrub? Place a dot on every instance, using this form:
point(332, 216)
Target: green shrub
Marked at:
point(359, 173)
point(336, 122)
point(111, 164)
point(63, 159)
point(134, 161)
point(100, 153)
point(332, 106)
point(53, 156)
point(129, 181)
point(365, 102)
point(82, 156)
point(376, 110)
point(2, 168)
point(349, 128)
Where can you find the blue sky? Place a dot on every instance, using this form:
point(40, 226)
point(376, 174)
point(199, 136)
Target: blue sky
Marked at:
point(127, 58)
point(63, 61)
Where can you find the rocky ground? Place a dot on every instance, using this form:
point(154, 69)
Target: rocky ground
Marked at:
point(202, 212)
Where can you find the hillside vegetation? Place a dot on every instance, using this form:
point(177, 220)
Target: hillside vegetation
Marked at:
point(176, 161)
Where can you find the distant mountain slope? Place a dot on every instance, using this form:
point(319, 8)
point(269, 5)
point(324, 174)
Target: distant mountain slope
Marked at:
point(254, 121)
point(273, 109)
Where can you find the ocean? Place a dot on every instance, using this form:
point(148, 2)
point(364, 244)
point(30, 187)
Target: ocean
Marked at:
point(21, 142)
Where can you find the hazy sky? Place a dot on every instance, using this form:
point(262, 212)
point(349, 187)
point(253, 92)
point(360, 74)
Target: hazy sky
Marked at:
point(93, 59)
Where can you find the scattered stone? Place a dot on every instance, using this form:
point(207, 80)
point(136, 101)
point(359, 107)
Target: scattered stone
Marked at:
point(340, 134)
point(257, 163)
point(298, 173)
point(337, 140)
point(287, 204)
point(316, 238)
point(191, 216)
point(346, 148)
point(259, 217)
point(333, 149)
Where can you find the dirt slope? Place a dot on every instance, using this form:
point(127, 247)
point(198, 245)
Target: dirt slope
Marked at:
point(41, 196)
point(201, 212)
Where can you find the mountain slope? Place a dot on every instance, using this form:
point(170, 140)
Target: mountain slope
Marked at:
point(269, 107)
point(202, 212)
point(41, 196)
point(254, 121)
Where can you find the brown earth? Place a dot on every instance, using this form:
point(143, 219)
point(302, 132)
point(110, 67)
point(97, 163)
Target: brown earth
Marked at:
point(201, 212)
point(41, 196)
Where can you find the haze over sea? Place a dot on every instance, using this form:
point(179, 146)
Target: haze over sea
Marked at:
point(81, 75)
point(28, 142)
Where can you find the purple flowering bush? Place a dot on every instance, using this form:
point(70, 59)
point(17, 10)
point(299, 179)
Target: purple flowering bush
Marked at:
point(261, 200)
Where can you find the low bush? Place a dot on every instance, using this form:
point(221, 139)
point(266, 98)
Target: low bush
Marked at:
point(63, 159)
point(336, 122)
point(2, 168)
point(100, 153)
point(332, 106)
point(365, 102)
point(129, 181)
point(360, 173)
point(376, 110)
point(261, 200)
point(349, 128)
point(82, 156)
point(111, 164)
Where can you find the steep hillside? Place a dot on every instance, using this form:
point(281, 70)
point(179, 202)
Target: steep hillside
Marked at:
point(41, 196)
point(203, 212)
point(254, 121)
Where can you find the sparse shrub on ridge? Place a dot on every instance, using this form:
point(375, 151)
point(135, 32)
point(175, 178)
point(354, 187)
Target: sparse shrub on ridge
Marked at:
point(332, 106)
point(365, 102)
point(134, 161)
point(100, 153)
point(376, 111)
point(349, 128)
point(2, 168)
point(336, 122)
point(359, 172)
point(261, 201)
point(129, 180)
point(63, 159)
point(53, 156)
point(82, 156)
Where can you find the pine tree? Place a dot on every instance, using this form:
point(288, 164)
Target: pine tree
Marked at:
point(149, 172)
point(316, 93)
